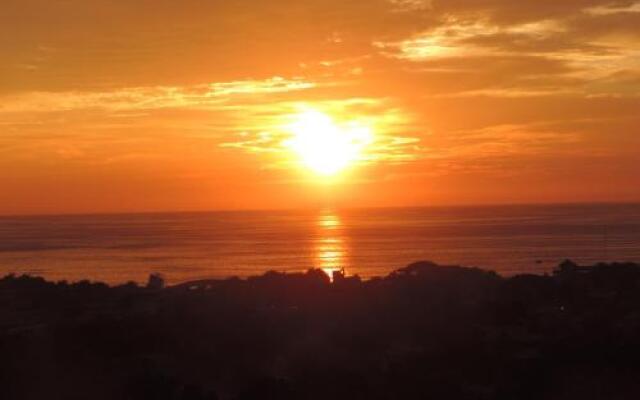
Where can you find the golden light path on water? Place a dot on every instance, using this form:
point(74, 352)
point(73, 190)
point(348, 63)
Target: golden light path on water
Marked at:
point(330, 245)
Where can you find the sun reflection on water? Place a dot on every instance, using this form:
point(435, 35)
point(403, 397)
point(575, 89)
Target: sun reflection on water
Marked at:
point(329, 221)
point(330, 244)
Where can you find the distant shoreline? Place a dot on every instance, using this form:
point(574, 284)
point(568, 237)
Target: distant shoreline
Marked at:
point(156, 280)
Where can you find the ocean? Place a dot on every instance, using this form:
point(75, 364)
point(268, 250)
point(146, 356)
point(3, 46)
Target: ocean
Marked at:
point(368, 242)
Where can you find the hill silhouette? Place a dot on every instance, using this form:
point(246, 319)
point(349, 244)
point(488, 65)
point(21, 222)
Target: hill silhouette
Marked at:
point(424, 331)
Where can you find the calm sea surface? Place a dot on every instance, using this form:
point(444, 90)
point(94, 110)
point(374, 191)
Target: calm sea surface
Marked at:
point(188, 246)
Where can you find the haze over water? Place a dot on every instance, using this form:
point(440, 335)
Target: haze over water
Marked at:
point(190, 246)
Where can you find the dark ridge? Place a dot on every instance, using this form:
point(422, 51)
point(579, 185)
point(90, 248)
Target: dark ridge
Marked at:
point(424, 331)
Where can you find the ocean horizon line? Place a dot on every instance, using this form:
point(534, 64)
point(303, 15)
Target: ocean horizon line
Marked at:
point(326, 209)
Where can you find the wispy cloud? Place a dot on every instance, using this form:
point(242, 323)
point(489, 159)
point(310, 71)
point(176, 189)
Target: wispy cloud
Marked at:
point(148, 98)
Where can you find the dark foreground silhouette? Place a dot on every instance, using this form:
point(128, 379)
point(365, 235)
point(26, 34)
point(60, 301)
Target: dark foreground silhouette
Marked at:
point(423, 332)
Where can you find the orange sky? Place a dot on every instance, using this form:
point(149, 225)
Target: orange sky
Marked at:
point(144, 105)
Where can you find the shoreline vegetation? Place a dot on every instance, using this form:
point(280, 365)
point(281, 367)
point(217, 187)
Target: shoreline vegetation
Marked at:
point(423, 331)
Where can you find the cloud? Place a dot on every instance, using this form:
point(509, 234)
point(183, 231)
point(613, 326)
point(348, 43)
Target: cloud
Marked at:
point(79, 45)
point(149, 98)
point(200, 88)
point(102, 46)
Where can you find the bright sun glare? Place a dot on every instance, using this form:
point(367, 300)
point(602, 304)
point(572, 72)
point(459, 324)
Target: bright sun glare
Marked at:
point(324, 146)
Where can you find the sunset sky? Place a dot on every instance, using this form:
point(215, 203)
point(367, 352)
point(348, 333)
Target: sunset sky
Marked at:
point(141, 105)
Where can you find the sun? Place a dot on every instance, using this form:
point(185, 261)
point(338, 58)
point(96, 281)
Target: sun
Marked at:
point(325, 146)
